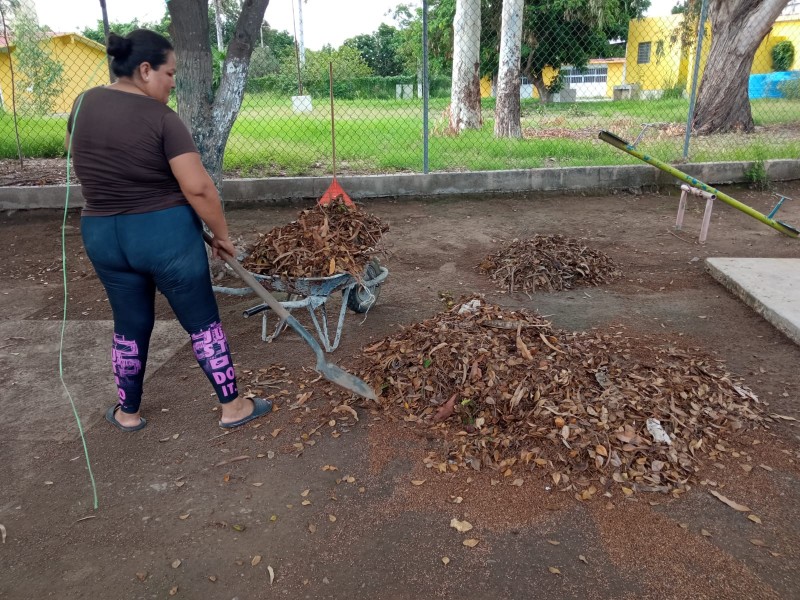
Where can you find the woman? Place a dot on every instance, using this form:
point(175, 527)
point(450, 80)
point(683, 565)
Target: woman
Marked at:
point(146, 192)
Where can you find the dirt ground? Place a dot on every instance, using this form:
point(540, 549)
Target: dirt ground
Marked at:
point(184, 514)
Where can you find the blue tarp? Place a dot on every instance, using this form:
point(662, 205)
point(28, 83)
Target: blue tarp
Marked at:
point(767, 85)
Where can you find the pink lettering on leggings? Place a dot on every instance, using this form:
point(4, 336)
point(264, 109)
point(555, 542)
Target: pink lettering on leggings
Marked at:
point(125, 360)
point(211, 350)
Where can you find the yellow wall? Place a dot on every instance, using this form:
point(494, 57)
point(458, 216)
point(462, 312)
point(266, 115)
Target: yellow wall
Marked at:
point(84, 63)
point(676, 65)
point(5, 79)
point(616, 72)
point(664, 69)
point(782, 30)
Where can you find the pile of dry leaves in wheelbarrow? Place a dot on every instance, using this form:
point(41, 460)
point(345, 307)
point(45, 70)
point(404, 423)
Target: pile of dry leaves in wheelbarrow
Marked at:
point(322, 241)
point(504, 390)
point(549, 263)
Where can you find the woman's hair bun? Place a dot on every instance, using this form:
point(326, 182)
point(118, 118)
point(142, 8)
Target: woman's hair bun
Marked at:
point(119, 47)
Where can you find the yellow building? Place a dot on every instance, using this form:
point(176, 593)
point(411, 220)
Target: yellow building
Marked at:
point(656, 60)
point(83, 62)
point(596, 80)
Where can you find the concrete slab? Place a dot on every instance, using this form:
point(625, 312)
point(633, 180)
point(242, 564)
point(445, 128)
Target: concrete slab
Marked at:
point(23, 300)
point(771, 286)
point(35, 406)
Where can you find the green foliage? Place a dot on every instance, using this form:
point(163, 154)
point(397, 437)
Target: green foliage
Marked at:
point(790, 88)
point(39, 76)
point(757, 175)
point(217, 62)
point(782, 56)
point(98, 35)
point(263, 62)
point(673, 90)
point(555, 32)
point(380, 50)
point(347, 63)
point(347, 88)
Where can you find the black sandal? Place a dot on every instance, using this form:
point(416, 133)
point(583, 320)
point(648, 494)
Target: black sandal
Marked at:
point(112, 419)
point(261, 407)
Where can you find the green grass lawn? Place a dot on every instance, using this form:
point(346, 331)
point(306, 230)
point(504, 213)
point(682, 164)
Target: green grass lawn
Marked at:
point(374, 136)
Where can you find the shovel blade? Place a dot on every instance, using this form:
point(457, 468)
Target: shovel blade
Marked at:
point(342, 378)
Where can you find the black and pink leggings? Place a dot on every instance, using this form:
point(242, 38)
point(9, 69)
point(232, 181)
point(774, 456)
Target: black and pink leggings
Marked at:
point(136, 254)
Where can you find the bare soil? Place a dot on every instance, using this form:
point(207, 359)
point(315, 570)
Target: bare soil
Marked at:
point(179, 491)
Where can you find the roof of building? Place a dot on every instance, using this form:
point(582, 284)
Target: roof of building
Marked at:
point(75, 37)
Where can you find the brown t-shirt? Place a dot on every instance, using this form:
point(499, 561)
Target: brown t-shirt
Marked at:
point(121, 147)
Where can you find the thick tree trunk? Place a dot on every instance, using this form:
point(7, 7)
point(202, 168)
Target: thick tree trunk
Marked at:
point(506, 113)
point(465, 92)
point(210, 117)
point(545, 95)
point(737, 29)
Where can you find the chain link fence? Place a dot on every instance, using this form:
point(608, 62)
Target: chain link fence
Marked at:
point(502, 85)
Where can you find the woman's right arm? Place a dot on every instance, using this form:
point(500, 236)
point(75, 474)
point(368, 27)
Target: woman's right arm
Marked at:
point(202, 194)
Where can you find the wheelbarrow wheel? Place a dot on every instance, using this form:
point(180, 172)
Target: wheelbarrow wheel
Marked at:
point(361, 298)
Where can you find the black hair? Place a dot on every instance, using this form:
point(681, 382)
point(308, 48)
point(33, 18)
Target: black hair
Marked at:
point(139, 46)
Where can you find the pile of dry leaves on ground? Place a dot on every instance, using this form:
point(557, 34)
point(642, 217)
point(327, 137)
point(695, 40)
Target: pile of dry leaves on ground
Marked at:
point(548, 262)
point(505, 390)
point(323, 241)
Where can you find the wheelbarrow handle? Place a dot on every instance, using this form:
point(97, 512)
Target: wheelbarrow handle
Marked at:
point(248, 278)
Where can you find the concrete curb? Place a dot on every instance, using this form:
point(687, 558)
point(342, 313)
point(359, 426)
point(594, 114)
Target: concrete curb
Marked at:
point(584, 179)
point(783, 324)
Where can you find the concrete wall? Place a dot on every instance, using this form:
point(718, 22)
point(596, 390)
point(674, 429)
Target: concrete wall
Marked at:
point(585, 179)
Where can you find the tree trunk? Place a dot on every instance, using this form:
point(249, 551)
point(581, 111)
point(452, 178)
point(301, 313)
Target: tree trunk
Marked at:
point(465, 92)
point(210, 117)
point(506, 113)
point(737, 29)
point(545, 95)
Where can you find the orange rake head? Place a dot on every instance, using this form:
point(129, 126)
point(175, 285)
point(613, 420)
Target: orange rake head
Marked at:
point(335, 192)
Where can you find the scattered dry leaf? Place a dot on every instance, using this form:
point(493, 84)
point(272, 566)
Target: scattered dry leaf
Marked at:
point(471, 543)
point(332, 518)
point(271, 574)
point(582, 558)
point(553, 542)
point(176, 563)
point(705, 533)
point(754, 519)
point(731, 503)
point(256, 560)
point(312, 528)
point(518, 482)
point(554, 570)
point(759, 543)
point(173, 591)
point(460, 526)
point(141, 575)
point(445, 560)
point(418, 481)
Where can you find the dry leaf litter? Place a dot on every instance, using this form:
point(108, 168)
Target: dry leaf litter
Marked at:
point(506, 390)
point(548, 262)
point(322, 241)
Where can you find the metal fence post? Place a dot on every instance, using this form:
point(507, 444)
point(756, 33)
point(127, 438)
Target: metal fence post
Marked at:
point(693, 95)
point(425, 90)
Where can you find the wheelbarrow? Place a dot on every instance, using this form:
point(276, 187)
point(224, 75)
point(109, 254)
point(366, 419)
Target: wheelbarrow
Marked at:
point(312, 293)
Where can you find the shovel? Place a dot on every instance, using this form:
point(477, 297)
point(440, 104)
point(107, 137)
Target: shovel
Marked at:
point(328, 370)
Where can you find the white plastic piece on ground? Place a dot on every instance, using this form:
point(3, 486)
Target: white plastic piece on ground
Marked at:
point(301, 104)
point(470, 307)
point(657, 431)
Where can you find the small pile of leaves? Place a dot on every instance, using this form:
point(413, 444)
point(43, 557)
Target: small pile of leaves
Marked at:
point(548, 262)
point(504, 388)
point(322, 241)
